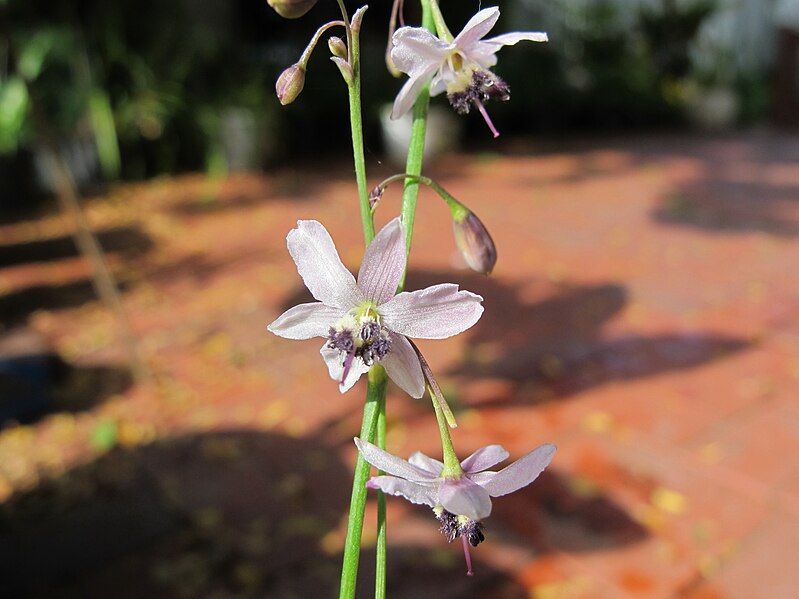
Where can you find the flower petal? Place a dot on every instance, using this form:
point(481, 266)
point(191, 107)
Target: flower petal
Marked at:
point(416, 50)
point(477, 27)
point(391, 464)
point(402, 365)
point(462, 497)
point(383, 263)
point(320, 267)
point(305, 321)
point(445, 75)
point(437, 312)
point(521, 472)
point(481, 478)
point(413, 492)
point(335, 366)
point(484, 458)
point(425, 462)
point(485, 54)
point(410, 91)
point(513, 38)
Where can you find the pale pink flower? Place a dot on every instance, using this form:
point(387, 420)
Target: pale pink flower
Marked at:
point(460, 503)
point(462, 68)
point(363, 321)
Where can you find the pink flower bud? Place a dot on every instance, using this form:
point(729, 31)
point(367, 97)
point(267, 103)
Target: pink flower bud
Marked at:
point(337, 47)
point(291, 9)
point(290, 84)
point(475, 243)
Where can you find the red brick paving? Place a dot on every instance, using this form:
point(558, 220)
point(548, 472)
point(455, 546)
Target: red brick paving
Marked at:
point(644, 316)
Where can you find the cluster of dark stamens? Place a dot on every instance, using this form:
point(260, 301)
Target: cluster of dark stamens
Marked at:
point(372, 343)
point(453, 527)
point(484, 86)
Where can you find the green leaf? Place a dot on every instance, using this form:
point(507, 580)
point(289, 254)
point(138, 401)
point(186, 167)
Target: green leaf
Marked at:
point(14, 103)
point(105, 134)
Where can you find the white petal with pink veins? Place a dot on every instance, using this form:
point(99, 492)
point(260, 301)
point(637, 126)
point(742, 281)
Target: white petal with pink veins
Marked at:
point(392, 464)
point(520, 473)
point(335, 366)
point(383, 263)
point(402, 366)
point(305, 321)
point(320, 267)
point(437, 312)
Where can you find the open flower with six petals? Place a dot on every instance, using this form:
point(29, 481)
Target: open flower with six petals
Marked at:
point(363, 321)
point(460, 67)
point(460, 502)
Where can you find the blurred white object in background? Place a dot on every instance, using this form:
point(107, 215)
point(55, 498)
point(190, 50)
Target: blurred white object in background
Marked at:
point(712, 108)
point(786, 15)
point(444, 133)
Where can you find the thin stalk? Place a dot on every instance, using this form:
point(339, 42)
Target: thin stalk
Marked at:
point(356, 124)
point(452, 466)
point(381, 548)
point(440, 25)
point(306, 55)
point(104, 283)
point(374, 407)
point(375, 394)
point(457, 208)
point(413, 165)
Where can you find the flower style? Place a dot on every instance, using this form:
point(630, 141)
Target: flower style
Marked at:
point(461, 67)
point(459, 502)
point(363, 322)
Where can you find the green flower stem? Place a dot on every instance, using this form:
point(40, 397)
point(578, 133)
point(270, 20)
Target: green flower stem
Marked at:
point(441, 29)
point(373, 423)
point(458, 210)
point(413, 166)
point(306, 55)
point(356, 124)
point(452, 467)
point(375, 396)
point(381, 548)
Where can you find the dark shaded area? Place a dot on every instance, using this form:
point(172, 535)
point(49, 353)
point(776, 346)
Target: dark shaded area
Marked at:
point(129, 242)
point(17, 306)
point(559, 513)
point(35, 381)
point(557, 345)
point(215, 514)
point(734, 192)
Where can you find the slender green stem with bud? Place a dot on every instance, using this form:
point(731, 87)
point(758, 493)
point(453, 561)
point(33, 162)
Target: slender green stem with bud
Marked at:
point(413, 166)
point(373, 423)
point(459, 211)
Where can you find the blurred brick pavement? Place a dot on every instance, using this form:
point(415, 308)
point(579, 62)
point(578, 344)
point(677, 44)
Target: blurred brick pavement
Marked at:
point(643, 316)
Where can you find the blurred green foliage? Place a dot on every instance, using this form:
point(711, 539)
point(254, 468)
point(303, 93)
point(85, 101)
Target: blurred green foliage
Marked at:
point(155, 83)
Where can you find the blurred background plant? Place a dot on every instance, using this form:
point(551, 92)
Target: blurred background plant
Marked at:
point(136, 89)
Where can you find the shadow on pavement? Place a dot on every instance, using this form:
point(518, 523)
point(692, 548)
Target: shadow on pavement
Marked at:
point(241, 513)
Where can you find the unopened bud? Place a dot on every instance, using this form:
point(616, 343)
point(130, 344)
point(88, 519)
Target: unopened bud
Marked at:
point(375, 196)
point(337, 47)
point(474, 242)
point(357, 19)
point(290, 84)
point(345, 68)
point(291, 9)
